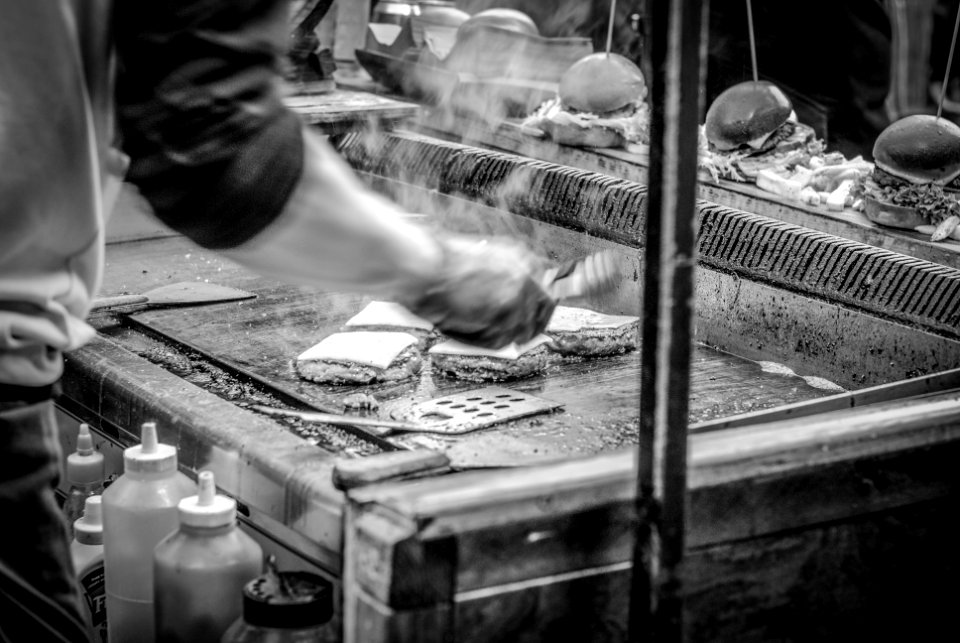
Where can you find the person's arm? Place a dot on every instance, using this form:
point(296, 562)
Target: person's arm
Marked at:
point(335, 232)
point(221, 160)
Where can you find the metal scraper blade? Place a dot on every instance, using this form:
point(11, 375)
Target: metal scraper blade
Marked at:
point(474, 409)
point(179, 294)
point(591, 275)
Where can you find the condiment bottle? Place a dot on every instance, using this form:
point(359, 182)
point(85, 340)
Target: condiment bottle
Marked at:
point(284, 607)
point(199, 571)
point(139, 510)
point(84, 474)
point(86, 550)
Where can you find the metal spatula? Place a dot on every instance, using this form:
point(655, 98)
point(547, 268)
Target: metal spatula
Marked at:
point(374, 425)
point(449, 415)
point(590, 275)
point(184, 293)
point(468, 411)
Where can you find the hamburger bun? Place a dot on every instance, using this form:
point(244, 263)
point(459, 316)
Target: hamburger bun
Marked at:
point(439, 16)
point(509, 19)
point(745, 112)
point(920, 149)
point(894, 216)
point(573, 134)
point(601, 83)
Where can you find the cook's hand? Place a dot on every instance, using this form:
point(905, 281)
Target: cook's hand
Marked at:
point(488, 293)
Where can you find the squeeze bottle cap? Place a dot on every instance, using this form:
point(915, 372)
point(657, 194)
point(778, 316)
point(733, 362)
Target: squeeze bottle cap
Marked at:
point(88, 529)
point(150, 455)
point(85, 465)
point(207, 508)
point(287, 599)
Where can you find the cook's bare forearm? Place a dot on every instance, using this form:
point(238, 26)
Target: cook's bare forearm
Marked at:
point(336, 232)
point(223, 161)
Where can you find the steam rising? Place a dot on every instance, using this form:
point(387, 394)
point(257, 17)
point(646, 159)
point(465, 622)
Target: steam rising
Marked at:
point(416, 193)
point(496, 75)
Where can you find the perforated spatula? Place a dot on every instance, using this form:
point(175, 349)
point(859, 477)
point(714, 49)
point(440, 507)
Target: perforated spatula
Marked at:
point(452, 414)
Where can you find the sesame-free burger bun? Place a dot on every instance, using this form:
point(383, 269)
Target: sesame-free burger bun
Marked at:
point(509, 19)
point(601, 83)
point(745, 112)
point(572, 134)
point(890, 214)
point(920, 149)
point(442, 17)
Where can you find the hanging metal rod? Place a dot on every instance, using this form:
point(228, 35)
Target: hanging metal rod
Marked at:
point(676, 50)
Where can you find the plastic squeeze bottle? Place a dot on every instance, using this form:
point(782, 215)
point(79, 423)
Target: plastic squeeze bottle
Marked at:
point(139, 510)
point(284, 607)
point(199, 571)
point(86, 550)
point(84, 474)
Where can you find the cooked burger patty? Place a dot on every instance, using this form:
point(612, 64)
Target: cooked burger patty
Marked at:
point(930, 200)
point(361, 357)
point(580, 332)
point(595, 342)
point(457, 360)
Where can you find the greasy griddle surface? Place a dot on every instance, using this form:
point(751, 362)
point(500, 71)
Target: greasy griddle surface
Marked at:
point(264, 335)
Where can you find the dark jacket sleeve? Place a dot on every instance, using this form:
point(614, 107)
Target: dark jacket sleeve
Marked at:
point(199, 111)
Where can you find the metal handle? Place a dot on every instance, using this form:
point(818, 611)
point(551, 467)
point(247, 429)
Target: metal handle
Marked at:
point(380, 427)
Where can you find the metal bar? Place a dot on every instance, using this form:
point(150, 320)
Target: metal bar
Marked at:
point(335, 419)
point(676, 50)
point(903, 390)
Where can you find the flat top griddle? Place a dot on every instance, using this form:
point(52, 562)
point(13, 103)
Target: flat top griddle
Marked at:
point(262, 336)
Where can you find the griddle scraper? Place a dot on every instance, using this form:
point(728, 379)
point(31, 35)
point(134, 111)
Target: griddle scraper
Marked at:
point(187, 293)
point(590, 275)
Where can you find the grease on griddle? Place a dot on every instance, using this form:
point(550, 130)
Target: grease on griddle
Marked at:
point(193, 368)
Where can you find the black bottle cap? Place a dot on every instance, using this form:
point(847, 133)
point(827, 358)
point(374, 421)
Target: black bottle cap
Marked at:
point(288, 600)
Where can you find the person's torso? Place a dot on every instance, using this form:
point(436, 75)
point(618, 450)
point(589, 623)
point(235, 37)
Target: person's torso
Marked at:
point(54, 132)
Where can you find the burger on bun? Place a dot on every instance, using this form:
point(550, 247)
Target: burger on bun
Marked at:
point(751, 126)
point(509, 19)
point(496, 43)
point(916, 170)
point(601, 102)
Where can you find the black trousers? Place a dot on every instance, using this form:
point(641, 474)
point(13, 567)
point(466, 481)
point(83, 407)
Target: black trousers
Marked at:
point(39, 595)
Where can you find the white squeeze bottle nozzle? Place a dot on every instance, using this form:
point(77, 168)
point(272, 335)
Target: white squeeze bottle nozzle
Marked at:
point(88, 529)
point(84, 474)
point(139, 510)
point(149, 443)
point(207, 508)
point(86, 550)
point(85, 455)
point(200, 570)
